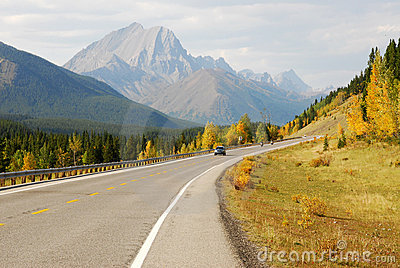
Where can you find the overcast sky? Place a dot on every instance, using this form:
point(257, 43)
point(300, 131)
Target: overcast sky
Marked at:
point(325, 42)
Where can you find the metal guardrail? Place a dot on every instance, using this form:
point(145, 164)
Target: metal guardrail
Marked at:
point(27, 176)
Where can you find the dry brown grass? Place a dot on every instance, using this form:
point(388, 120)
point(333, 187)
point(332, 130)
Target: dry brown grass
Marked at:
point(359, 200)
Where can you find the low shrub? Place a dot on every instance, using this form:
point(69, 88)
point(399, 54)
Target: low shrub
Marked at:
point(274, 189)
point(311, 206)
point(396, 163)
point(241, 173)
point(320, 161)
point(315, 205)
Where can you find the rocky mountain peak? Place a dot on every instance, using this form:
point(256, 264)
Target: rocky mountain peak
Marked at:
point(290, 81)
point(155, 51)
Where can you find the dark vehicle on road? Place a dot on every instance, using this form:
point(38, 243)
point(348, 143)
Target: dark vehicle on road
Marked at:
point(220, 150)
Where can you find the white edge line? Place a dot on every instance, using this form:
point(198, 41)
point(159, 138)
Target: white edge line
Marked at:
point(140, 257)
point(144, 250)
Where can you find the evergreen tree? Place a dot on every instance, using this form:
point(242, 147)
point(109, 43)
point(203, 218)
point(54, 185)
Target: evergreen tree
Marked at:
point(326, 143)
point(246, 128)
point(3, 162)
point(108, 152)
point(261, 133)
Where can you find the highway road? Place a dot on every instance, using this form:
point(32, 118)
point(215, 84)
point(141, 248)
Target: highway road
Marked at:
point(104, 220)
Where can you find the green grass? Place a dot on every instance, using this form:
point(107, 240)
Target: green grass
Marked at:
point(361, 188)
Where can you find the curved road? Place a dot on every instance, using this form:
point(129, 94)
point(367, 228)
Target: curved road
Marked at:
point(103, 220)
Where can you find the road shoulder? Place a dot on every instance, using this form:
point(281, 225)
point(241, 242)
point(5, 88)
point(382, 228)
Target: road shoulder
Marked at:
point(193, 234)
point(243, 248)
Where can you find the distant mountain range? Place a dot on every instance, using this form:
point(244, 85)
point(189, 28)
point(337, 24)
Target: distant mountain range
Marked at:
point(33, 86)
point(139, 62)
point(150, 66)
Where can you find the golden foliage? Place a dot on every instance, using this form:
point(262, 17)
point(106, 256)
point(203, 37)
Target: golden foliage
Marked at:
point(241, 173)
point(149, 152)
point(354, 116)
point(311, 206)
point(381, 104)
point(320, 161)
point(240, 130)
point(378, 103)
point(209, 137)
point(29, 161)
point(231, 136)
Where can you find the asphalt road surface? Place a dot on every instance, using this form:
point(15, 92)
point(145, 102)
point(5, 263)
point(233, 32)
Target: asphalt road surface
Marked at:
point(103, 220)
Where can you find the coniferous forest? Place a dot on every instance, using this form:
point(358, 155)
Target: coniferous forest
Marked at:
point(22, 148)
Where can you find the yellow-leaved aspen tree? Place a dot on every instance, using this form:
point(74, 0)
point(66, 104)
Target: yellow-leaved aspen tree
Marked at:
point(209, 136)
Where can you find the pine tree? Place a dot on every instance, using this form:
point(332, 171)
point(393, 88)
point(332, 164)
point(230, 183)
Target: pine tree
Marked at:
point(248, 136)
point(130, 152)
point(16, 161)
point(390, 56)
point(261, 133)
point(108, 150)
point(326, 143)
point(3, 162)
point(397, 62)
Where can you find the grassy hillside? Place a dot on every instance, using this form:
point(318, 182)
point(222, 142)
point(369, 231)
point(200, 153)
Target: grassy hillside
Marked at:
point(291, 203)
point(33, 86)
point(327, 124)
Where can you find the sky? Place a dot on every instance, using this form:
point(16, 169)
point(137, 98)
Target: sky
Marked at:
point(326, 42)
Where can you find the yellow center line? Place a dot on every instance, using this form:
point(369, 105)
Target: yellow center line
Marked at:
point(164, 172)
point(143, 177)
point(158, 173)
point(151, 175)
point(72, 201)
point(122, 184)
point(175, 168)
point(110, 188)
point(40, 211)
point(1, 224)
point(93, 194)
point(133, 180)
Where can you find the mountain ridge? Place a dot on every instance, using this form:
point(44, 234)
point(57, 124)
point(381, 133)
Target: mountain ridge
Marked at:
point(220, 96)
point(143, 64)
point(42, 89)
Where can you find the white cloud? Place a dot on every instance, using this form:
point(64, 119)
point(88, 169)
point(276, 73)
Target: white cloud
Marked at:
point(316, 38)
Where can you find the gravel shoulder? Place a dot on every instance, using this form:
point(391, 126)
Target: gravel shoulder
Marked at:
point(243, 248)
